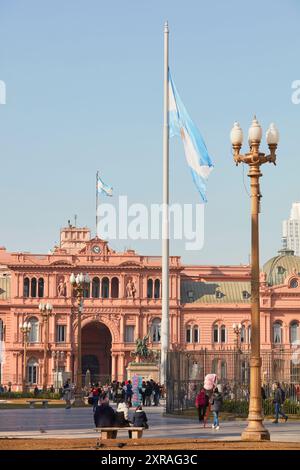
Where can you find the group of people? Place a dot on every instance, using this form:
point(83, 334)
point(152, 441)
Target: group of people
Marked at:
point(106, 416)
point(212, 400)
point(150, 392)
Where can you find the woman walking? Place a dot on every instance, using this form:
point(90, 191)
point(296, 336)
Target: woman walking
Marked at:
point(216, 405)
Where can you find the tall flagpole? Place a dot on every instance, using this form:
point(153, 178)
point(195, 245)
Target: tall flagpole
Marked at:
point(97, 202)
point(165, 220)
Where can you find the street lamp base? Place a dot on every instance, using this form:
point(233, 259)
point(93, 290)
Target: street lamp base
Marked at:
point(255, 431)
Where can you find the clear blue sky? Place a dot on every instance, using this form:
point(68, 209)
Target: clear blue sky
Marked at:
point(84, 92)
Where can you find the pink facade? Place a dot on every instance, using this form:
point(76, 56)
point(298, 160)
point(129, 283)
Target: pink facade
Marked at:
point(123, 303)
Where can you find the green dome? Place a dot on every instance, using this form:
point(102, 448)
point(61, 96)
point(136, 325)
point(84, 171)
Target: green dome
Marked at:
point(279, 267)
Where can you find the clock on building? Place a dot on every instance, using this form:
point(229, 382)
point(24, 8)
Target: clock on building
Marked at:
point(96, 249)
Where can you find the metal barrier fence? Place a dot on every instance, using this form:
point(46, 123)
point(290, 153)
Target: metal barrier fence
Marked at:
point(186, 372)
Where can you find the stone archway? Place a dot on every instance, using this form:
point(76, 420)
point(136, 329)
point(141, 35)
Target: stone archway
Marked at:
point(96, 341)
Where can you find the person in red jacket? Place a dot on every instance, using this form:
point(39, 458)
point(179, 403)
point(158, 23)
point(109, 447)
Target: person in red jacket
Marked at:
point(201, 404)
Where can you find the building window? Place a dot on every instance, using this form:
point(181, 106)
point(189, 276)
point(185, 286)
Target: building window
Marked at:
point(246, 295)
point(96, 288)
point(86, 290)
point(277, 333)
point(223, 370)
point(105, 288)
point(155, 330)
point(249, 334)
point(41, 287)
point(129, 334)
point(61, 333)
point(32, 371)
point(33, 287)
point(223, 334)
point(26, 287)
point(243, 334)
point(157, 289)
point(280, 270)
point(149, 289)
point(1, 334)
point(196, 334)
point(214, 366)
point(34, 331)
point(294, 283)
point(216, 334)
point(115, 287)
point(188, 332)
point(190, 295)
point(294, 331)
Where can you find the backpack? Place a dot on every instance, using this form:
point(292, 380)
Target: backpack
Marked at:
point(282, 395)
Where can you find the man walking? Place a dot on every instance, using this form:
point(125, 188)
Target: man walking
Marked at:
point(279, 397)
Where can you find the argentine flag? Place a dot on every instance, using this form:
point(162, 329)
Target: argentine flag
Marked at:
point(195, 150)
point(104, 188)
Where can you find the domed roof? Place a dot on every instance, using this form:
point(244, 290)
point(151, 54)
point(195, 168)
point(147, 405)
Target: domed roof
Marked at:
point(278, 268)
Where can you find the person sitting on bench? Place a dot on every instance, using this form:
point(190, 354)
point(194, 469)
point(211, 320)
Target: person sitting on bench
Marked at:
point(140, 419)
point(105, 416)
point(122, 417)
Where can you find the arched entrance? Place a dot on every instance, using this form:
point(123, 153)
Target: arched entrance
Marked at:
point(96, 343)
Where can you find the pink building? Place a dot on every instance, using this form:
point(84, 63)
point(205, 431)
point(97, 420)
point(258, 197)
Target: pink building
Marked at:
point(205, 301)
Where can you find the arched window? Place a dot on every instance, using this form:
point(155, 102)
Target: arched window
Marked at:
point(277, 333)
point(214, 366)
point(26, 287)
point(32, 371)
point(41, 287)
point(149, 289)
point(157, 289)
point(294, 331)
point(249, 334)
point(188, 334)
point(115, 288)
point(196, 334)
point(223, 370)
point(105, 288)
point(245, 372)
point(215, 334)
point(223, 334)
point(96, 288)
point(86, 290)
point(34, 332)
point(243, 334)
point(33, 287)
point(155, 330)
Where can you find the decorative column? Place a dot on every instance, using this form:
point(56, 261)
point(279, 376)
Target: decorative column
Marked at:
point(121, 368)
point(114, 366)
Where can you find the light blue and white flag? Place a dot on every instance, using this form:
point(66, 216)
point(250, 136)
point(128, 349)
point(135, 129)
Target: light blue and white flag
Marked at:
point(195, 150)
point(104, 188)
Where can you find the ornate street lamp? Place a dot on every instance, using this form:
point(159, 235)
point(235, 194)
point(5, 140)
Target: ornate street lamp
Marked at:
point(255, 430)
point(25, 329)
point(79, 283)
point(237, 330)
point(46, 312)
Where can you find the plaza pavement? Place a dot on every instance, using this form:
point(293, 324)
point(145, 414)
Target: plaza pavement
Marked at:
point(78, 423)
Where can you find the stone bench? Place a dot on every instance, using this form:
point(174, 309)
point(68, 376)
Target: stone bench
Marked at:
point(44, 403)
point(111, 433)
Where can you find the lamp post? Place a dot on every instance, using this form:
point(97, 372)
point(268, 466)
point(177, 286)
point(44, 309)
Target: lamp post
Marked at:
point(237, 330)
point(56, 356)
point(255, 430)
point(25, 330)
point(79, 283)
point(46, 312)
